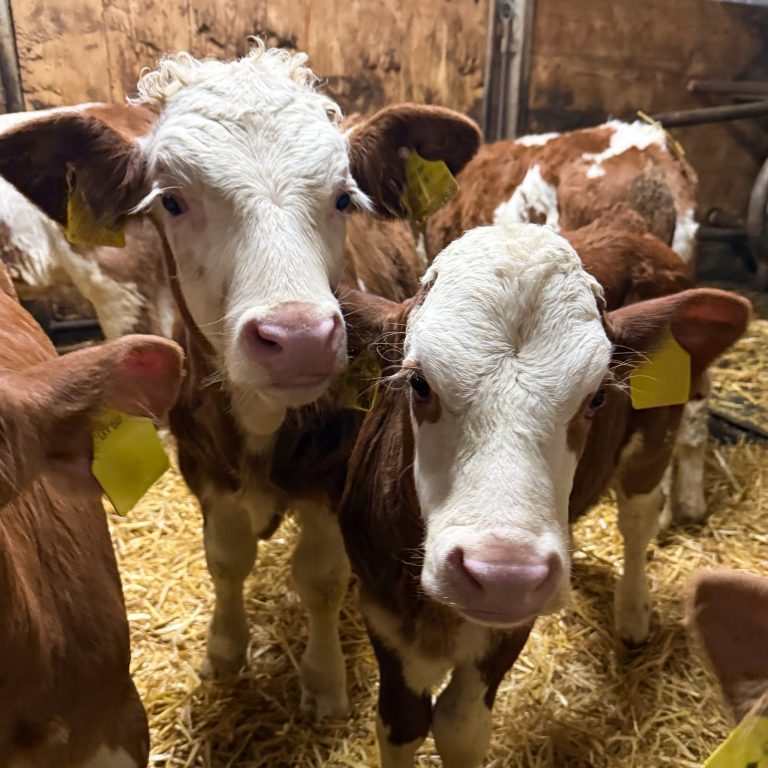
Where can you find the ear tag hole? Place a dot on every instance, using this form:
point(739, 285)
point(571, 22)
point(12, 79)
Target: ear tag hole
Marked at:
point(664, 378)
point(83, 228)
point(429, 186)
point(359, 384)
point(128, 458)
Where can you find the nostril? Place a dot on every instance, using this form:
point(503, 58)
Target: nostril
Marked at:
point(457, 565)
point(263, 338)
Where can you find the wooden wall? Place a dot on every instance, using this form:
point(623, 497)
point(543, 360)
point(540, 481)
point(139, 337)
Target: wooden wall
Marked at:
point(597, 58)
point(590, 58)
point(371, 51)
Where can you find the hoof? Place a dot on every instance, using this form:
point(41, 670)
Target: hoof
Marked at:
point(323, 706)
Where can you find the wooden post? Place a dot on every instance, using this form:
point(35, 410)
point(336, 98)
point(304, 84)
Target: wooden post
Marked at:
point(10, 78)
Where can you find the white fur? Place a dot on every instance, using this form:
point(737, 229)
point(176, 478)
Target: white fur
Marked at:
point(532, 195)
point(48, 259)
point(536, 139)
point(111, 758)
point(638, 135)
point(510, 339)
point(259, 157)
point(684, 239)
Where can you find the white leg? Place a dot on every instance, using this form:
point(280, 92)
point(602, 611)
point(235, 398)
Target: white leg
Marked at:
point(690, 454)
point(667, 483)
point(461, 723)
point(230, 550)
point(638, 523)
point(321, 573)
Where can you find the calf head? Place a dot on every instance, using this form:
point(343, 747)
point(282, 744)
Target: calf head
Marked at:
point(251, 178)
point(47, 410)
point(507, 354)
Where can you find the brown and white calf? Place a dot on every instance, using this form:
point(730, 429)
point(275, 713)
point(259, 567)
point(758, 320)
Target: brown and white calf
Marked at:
point(126, 286)
point(567, 181)
point(505, 418)
point(67, 699)
point(251, 180)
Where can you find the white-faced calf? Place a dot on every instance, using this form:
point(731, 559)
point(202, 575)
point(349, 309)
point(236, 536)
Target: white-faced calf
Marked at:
point(67, 699)
point(505, 419)
point(252, 180)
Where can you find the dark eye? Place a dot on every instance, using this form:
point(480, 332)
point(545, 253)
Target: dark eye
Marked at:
point(343, 201)
point(173, 205)
point(421, 389)
point(597, 401)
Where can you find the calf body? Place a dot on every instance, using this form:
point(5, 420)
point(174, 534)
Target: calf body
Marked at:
point(505, 418)
point(67, 699)
point(251, 180)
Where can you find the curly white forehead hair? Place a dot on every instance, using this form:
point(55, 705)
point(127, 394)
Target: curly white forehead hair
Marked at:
point(270, 65)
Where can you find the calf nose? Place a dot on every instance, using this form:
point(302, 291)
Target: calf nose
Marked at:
point(503, 584)
point(297, 346)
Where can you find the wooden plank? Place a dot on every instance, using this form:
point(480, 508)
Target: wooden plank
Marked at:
point(221, 29)
point(373, 54)
point(11, 96)
point(138, 32)
point(62, 51)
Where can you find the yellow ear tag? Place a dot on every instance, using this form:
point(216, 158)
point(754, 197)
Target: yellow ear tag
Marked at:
point(83, 228)
point(359, 384)
point(128, 458)
point(664, 378)
point(429, 186)
point(745, 747)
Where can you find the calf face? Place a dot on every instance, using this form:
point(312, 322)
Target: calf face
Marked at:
point(508, 355)
point(252, 178)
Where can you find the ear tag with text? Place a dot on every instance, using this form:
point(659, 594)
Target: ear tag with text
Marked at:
point(429, 186)
point(128, 458)
point(83, 228)
point(664, 378)
point(745, 747)
point(359, 384)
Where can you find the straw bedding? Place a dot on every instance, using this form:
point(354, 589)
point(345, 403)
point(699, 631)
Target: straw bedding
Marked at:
point(575, 698)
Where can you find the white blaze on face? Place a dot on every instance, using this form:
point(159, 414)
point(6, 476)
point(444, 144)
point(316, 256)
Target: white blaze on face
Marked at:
point(510, 340)
point(533, 200)
point(252, 164)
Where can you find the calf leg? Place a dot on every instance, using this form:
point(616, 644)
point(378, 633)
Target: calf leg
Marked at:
point(321, 574)
point(230, 550)
point(638, 523)
point(404, 715)
point(690, 454)
point(462, 719)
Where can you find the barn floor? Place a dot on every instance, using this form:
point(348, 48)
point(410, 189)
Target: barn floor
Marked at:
point(576, 698)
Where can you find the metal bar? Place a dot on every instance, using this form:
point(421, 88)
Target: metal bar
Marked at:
point(712, 114)
point(740, 87)
point(9, 61)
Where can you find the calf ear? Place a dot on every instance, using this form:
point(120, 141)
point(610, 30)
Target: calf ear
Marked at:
point(435, 133)
point(47, 410)
point(704, 321)
point(728, 611)
point(40, 156)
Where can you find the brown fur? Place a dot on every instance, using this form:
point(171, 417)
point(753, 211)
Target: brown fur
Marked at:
point(728, 611)
point(65, 687)
point(653, 182)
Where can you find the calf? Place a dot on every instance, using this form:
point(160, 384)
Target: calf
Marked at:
point(567, 181)
point(67, 699)
point(126, 286)
point(251, 180)
point(505, 417)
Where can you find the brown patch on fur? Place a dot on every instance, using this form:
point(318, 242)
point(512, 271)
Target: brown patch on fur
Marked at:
point(434, 132)
point(428, 411)
point(578, 428)
point(6, 284)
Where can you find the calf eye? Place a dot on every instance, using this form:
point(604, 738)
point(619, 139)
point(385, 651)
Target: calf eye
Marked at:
point(597, 401)
point(343, 201)
point(173, 205)
point(420, 387)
